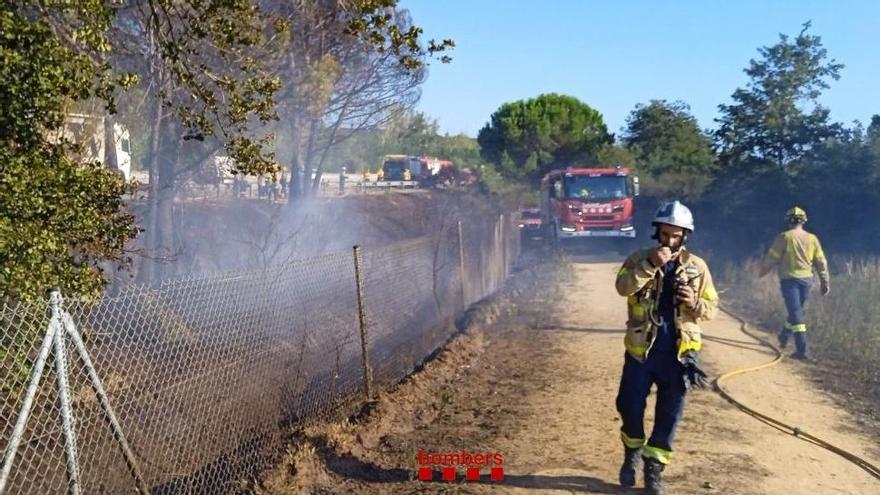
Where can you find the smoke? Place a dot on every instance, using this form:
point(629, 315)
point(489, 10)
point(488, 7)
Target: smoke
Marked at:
point(214, 235)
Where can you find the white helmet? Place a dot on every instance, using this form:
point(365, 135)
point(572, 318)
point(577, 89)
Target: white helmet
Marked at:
point(676, 214)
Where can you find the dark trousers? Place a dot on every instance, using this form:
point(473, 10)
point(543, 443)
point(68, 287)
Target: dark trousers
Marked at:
point(795, 292)
point(663, 370)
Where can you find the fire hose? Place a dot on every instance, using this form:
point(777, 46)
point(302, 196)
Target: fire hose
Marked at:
point(872, 469)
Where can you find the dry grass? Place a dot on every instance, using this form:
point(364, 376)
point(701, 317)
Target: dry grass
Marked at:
point(843, 325)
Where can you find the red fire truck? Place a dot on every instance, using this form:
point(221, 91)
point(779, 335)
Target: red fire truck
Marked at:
point(578, 203)
point(421, 171)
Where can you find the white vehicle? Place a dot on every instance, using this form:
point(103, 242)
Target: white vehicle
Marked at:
point(89, 131)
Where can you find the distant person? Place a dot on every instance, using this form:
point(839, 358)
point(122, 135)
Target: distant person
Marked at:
point(794, 253)
point(273, 187)
point(238, 185)
point(669, 291)
point(342, 180)
point(380, 175)
point(283, 182)
point(261, 185)
point(217, 178)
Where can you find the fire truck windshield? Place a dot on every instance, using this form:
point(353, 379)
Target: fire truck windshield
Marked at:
point(394, 168)
point(601, 188)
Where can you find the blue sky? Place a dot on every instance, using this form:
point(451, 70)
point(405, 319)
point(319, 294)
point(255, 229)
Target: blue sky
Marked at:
point(612, 55)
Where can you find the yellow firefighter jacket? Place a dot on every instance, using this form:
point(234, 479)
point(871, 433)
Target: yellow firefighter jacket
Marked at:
point(795, 252)
point(640, 282)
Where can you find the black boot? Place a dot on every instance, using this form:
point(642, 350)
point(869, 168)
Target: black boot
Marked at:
point(800, 342)
point(631, 460)
point(653, 482)
point(783, 338)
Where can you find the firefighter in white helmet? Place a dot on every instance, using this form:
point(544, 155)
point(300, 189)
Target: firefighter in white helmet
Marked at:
point(669, 291)
point(794, 253)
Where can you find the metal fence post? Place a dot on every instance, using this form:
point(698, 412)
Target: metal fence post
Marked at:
point(27, 405)
point(362, 321)
point(485, 265)
point(503, 242)
point(95, 382)
point(512, 232)
point(506, 245)
point(499, 252)
point(68, 427)
point(515, 241)
point(461, 271)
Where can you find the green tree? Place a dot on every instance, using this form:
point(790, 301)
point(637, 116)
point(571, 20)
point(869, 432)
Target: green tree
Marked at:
point(462, 149)
point(410, 133)
point(207, 78)
point(526, 138)
point(348, 67)
point(777, 118)
point(61, 218)
point(670, 148)
point(615, 154)
point(872, 136)
point(201, 85)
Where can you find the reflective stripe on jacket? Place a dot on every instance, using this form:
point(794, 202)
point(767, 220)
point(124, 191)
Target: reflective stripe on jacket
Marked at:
point(795, 252)
point(639, 281)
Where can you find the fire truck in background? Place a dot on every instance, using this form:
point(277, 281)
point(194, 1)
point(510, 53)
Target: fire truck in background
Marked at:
point(583, 203)
point(440, 171)
point(531, 225)
point(416, 171)
point(396, 168)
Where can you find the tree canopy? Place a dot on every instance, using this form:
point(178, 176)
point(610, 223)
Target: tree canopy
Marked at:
point(776, 119)
point(61, 217)
point(203, 76)
point(527, 138)
point(670, 147)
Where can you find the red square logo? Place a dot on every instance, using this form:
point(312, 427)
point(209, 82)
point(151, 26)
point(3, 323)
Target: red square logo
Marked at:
point(473, 474)
point(426, 474)
point(497, 474)
point(449, 474)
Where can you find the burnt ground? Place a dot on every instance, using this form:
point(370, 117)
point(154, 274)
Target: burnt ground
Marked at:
point(534, 376)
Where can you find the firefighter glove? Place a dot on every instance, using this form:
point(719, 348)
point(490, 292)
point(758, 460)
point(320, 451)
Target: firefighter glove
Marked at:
point(693, 375)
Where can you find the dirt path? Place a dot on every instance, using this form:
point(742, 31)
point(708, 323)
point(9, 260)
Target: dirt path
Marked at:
point(538, 387)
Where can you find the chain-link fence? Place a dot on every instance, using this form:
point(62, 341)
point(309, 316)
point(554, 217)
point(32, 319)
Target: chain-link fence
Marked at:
point(191, 387)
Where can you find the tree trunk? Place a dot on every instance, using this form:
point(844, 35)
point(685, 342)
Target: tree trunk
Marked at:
point(159, 242)
point(311, 189)
point(295, 189)
point(147, 264)
point(331, 141)
point(166, 245)
point(110, 158)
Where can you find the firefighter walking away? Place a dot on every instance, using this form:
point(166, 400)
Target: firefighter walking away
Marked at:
point(669, 292)
point(794, 253)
